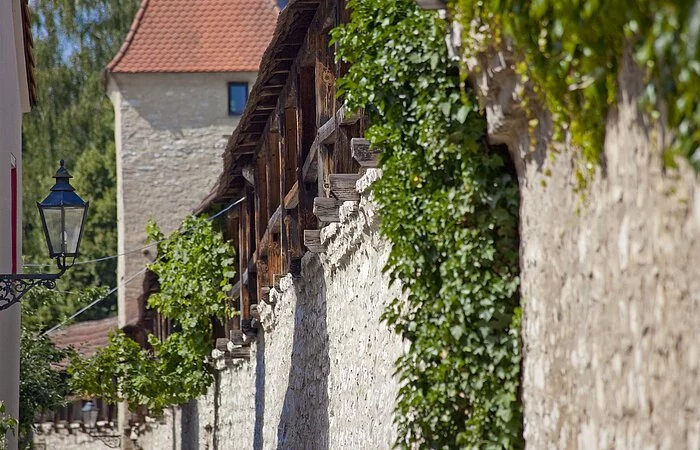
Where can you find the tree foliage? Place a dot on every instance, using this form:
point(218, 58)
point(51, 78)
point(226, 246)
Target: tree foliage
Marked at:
point(449, 207)
point(194, 268)
point(74, 120)
point(42, 387)
point(571, 52)
point(7, 425)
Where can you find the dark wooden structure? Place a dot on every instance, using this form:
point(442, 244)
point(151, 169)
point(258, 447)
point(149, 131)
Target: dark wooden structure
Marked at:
point(290, 159)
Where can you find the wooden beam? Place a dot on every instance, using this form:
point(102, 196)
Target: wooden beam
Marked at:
point(291, 139)
point(262, 214)
point(326, 132)
point(235, 291)
point(222, 344)
point(325, 167)
point(243, 257)
point(291, 229)
point(288, 52)
point(307, 158)
point(291, 200)
point(343, 186)
point(312, 241)
point(283, 66)
point(310, 169)
point(236, 337)
point(240, 352)
point(363, 153)
point(255, 127)
point(246, 149)
point(326, 209)
point(324, 78)
point(273, 227)
point(326, 135)
point(274, 257)
point(276, 280)
point(307, 109)
point(349, 118)
point(342, 158)
point(265, 294)
point(254, 313)
point(273, 171)
point(275, 223)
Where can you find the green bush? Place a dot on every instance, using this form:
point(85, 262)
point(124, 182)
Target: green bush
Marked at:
point(194, 268)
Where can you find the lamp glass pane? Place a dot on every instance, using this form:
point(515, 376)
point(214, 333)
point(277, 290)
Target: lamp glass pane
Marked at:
point(74, 222)
point(54, 229)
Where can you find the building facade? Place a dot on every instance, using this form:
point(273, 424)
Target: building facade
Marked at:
point(16, 98)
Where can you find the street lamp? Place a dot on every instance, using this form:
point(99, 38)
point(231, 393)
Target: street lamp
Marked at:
point(89, 414)
point(63, 215)
point(90, 420)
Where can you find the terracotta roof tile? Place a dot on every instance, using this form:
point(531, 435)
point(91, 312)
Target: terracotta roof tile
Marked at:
point(85, 337)
point(197, 36)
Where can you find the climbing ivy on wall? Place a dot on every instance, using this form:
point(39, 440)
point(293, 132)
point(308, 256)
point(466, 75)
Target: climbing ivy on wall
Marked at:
point(194, 268)
point(571, 52)
point(449, 206)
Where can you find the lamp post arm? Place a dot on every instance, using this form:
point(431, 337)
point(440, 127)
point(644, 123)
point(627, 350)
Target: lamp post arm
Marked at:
point(13, 286)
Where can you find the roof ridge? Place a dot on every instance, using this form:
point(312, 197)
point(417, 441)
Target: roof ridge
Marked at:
point(129, 37)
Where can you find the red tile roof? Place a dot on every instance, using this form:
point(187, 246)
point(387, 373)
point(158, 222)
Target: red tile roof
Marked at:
point(85, 337)
point(197, 36)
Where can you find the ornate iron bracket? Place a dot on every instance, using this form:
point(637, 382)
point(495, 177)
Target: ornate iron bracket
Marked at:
point(110, 440)
point(13, 286)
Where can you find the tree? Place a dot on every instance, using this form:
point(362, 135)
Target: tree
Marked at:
point(73, 120)
point(41, 387)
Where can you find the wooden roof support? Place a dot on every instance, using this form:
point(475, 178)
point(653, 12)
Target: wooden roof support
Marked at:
point(273, 171)
point(343, 186)
point(294, 250)
point(312, 241)
point(363, 153)
point(291, 200)
point(326, 209)
point(236, 337)
point(265, 294)
point(310, 169)
point(326, 135)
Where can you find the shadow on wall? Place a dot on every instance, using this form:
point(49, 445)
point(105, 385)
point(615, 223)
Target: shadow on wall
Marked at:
point(259, 392)
point(304, 418)
point(189, 432)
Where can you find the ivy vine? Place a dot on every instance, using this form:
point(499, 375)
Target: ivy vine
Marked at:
point(449, 206)
point(571, 52)
point(194, 268)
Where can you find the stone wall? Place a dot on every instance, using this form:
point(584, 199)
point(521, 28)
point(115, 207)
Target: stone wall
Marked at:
point(71, 436)
point(320, 371)
point(170, 133)
point(610, 278)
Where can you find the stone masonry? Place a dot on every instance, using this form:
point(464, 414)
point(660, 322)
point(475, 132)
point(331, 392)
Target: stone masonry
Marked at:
point(320, 372)
point(171, 129)
point(610, 284)
point(610, 278)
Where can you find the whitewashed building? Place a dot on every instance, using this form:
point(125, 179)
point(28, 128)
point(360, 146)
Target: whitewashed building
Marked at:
point(16, 98)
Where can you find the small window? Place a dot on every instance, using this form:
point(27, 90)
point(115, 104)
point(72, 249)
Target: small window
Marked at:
point(237, 98)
